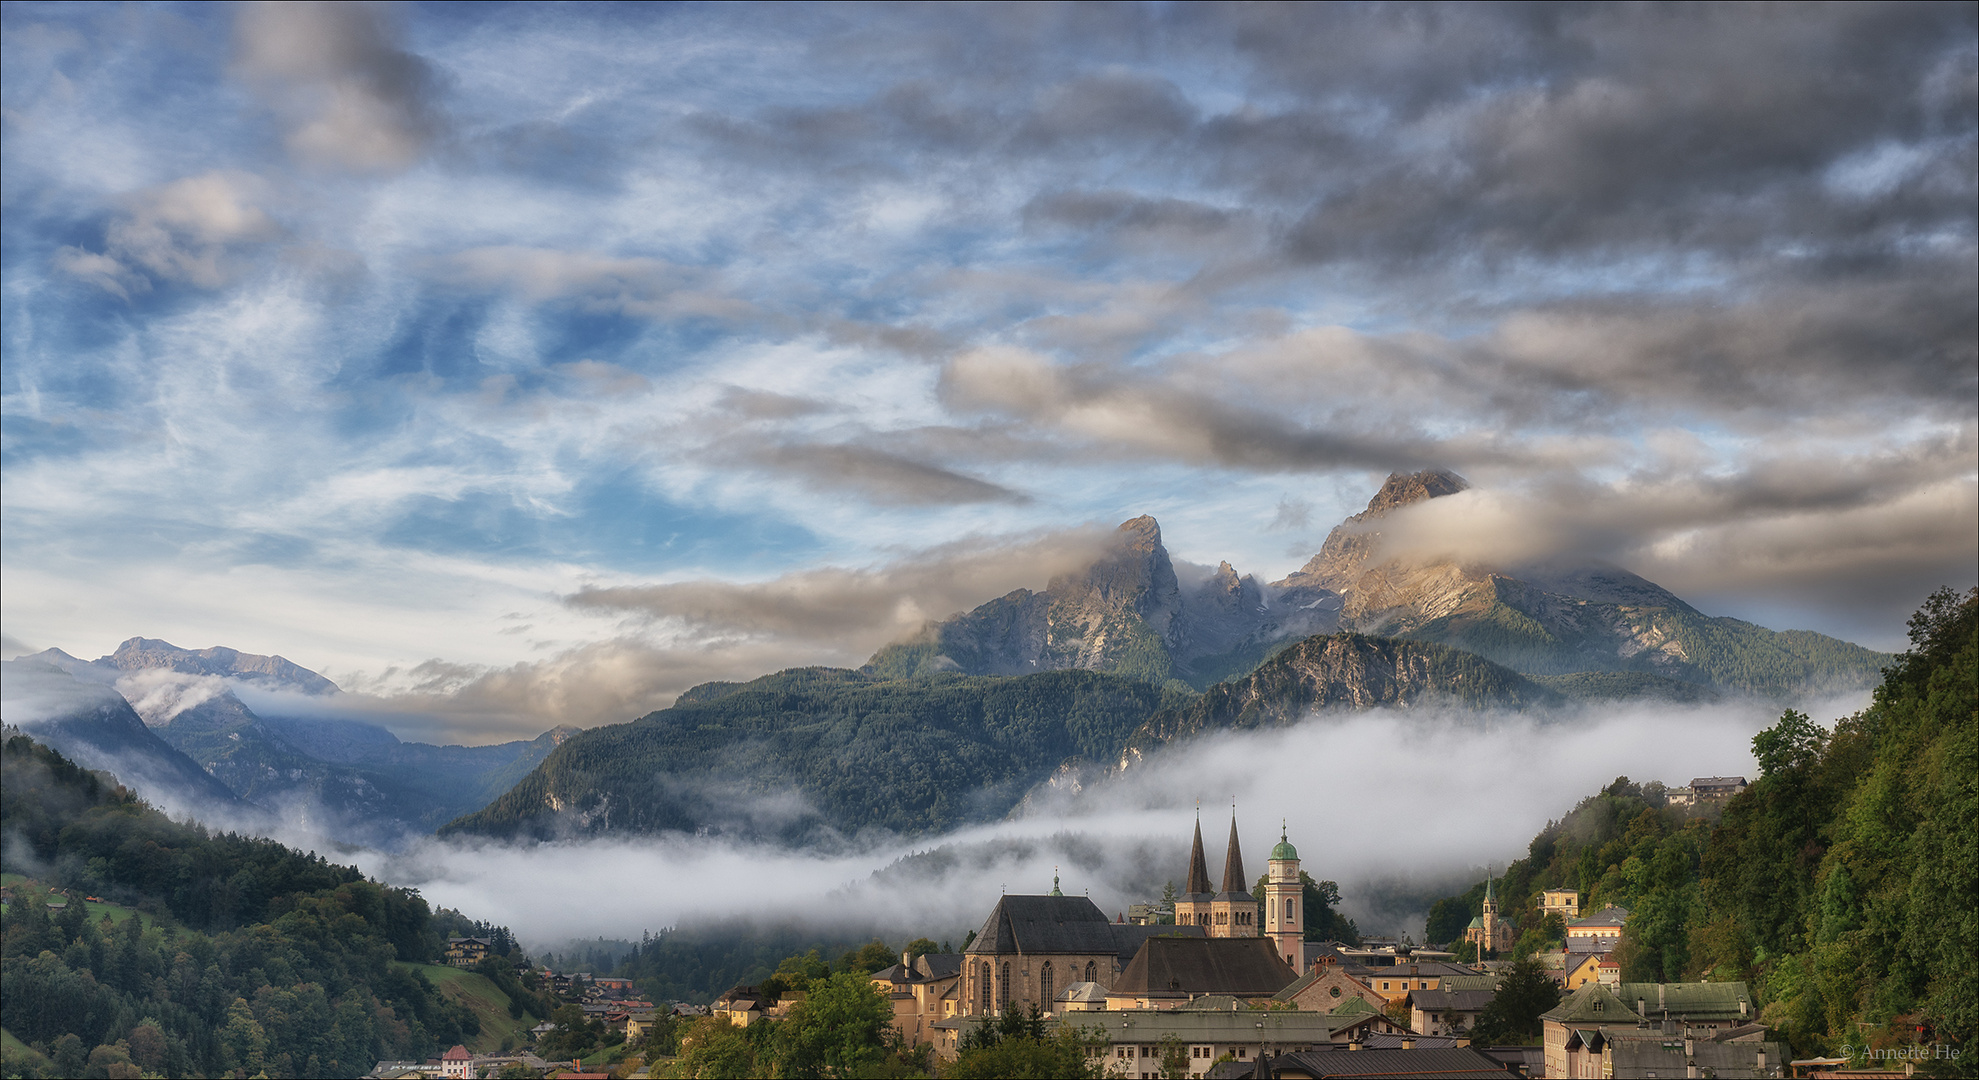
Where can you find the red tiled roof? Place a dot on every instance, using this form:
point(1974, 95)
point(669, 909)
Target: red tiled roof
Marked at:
point(458, 1053)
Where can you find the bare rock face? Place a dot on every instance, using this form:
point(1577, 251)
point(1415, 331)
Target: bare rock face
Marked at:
point(273, 672)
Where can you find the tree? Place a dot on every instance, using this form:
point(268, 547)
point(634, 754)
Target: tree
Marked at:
point(1788, 745)
point(921, 946)
point(1513, 1015)
point(1068, 1053)
point(714, 1049)
point(839, 1029)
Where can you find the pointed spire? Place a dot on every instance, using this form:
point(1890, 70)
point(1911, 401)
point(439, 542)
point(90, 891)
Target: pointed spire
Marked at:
point(1054, 882)
point(1198, 865)
point(1233, 861)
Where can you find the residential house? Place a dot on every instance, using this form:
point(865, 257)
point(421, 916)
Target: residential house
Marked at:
point(465, 952)
point(457, 1062)
point(1325, 987)
point(741, 1006)
point(1580, 969)
point(1599, 932)
point(1583, 1033)
point(1395, 984)
point(1453, 1007)
point(1168, 972)
point(922, 990)
point(1564, 901)
point(1708, 789)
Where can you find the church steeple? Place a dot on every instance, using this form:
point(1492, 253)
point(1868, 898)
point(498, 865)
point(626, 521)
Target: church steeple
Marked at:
point(1198, 865)
point(1233, 862)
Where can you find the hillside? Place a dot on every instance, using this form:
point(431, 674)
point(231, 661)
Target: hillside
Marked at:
point(252, 956)
point(808, 753)
point(1843, 885)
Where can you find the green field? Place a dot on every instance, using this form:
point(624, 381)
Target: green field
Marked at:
point(97, 910)
point(12, 1050)
point(487, 1001)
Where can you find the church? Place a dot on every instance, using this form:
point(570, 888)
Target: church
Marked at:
point(1489, 932)
point(1232, 912)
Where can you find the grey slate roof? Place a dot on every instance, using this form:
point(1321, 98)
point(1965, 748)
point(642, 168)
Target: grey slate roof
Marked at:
point(1036, 925)
point(1452, 1000)
point(1591, 1005)
point(1235, 888)
point(1667, 1057)
point(1197, 888)
point(1245, 967)
point(1608, 916)
point(1450, 1064)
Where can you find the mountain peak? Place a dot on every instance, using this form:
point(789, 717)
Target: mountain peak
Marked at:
point(275, 671)
point(1402, 489)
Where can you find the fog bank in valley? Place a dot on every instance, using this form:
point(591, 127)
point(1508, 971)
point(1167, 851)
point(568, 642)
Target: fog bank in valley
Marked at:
point(1398, 807)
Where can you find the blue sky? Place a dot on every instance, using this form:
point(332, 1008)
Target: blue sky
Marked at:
point(378, 337)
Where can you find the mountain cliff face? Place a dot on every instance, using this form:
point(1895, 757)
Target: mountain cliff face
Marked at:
point(1562, 616)
point(271, 672)
point(1346, 671)
point(1128, 614)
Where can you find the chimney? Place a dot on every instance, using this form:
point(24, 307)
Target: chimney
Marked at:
point(1760, 1061)
point(1355, 1043)
point(1408, 1042)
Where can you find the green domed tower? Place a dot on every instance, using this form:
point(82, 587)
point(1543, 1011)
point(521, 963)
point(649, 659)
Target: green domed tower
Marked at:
point(1284, 903)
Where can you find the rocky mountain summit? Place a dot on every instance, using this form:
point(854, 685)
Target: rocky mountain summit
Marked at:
point(1129, 614)
point(269, 672)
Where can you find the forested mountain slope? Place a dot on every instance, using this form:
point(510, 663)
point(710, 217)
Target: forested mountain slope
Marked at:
point(1843, 885)
point(250, 956)
point(812, 751)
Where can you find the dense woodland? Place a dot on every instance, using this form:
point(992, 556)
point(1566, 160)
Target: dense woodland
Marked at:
point(241, 954)
point(1843, 885)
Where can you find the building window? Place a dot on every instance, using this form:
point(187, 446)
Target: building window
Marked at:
point(1044, 985)
point(1004, 990)
point(1291, 910)
point(983, 990)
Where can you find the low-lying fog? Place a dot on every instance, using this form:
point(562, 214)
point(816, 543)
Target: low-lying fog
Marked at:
point(1399, 807)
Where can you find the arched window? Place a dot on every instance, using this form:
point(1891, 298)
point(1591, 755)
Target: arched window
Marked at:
point(1291, 910)
point(1044, 986)
point(983, 991)
point(1091, 972)
point(1003, 991)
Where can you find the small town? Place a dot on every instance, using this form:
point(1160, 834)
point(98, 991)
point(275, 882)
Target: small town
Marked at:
point(1216, 980)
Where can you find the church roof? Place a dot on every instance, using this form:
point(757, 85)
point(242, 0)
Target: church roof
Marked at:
point(1060, 924)
point(1245, 967)
point(1198, 886)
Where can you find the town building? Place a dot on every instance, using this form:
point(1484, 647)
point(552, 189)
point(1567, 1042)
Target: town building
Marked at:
point(1454, 1063)
point(1326, 987)
point(741, 1006)
point(1453, 1007)
point(1169, 972)
point(1031, 947)
point(1284, 900)
point(465, 952)
point(923, 989)
point(1564, 901)
point(1704, 789)
point(1395, 984)
point(1597, 933)
point(1585, 1033)
point(456, 1062)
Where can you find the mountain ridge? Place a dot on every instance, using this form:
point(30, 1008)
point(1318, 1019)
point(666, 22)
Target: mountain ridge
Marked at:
point(1129, 615)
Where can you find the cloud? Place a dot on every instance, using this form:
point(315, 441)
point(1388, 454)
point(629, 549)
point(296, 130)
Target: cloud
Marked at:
point(346, 92)
point(879, 475)
point(638, 287)
point(187, 231)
